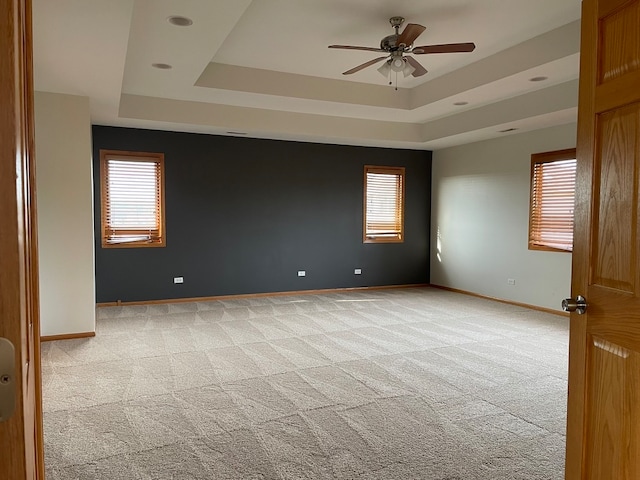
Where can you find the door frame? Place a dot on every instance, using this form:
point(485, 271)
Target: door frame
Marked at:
point(19, 297)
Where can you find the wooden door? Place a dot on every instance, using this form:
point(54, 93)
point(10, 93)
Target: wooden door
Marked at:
point(21, 434)
point(603, 428)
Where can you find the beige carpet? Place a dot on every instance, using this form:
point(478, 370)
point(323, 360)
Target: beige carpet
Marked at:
point(392, 384)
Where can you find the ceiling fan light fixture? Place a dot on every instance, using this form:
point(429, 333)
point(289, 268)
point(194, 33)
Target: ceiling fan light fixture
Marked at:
point(385, 68)
point(408, 69)
point(397, 64)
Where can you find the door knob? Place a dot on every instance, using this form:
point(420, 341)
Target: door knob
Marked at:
point(578, 305)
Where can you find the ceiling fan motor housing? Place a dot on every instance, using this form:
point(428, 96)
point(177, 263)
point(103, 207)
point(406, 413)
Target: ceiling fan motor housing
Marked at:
point(389, 43)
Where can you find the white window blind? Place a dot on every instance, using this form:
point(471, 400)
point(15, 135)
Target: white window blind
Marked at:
point(132, 199)
point(553, 184)
point(384, 204)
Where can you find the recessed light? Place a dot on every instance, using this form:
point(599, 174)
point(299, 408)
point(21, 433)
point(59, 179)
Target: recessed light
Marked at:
point(507, 130)
point(162, 66)
point(538, 79)
point(180, 21)
point(459, 104)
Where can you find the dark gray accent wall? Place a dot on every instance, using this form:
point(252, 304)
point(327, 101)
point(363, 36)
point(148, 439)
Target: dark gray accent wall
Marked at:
point(244, 215)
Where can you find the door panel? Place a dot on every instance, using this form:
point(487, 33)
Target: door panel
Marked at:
point(603, 417)
point(614, 245)
point(608, 410)
point(620, 42)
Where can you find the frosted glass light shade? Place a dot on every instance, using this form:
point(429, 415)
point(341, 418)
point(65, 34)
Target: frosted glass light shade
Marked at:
point(408, 69)
point(385, 68)
point(397, 64)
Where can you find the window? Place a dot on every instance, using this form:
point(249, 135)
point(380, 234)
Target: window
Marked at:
point(553, 185)
point(132, 199)
point(383, 204)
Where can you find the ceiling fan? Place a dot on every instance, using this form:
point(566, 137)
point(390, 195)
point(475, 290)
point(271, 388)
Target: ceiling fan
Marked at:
point(396, 47)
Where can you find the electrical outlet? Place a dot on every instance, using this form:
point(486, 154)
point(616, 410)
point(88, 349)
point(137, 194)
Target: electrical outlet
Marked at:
point(178, 279)
point(511, 281)
point(302, 273)
point(357, 271)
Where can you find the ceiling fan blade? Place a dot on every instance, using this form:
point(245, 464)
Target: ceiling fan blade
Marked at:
point(445, 48)
point(352, 47)
point(364, 65)
point(419, 69)
point(410, 33)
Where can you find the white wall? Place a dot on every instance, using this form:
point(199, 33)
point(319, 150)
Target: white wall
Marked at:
point(480, 203)
point(65, 213)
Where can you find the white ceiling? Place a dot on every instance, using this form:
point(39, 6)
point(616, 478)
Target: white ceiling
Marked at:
point(262, 68)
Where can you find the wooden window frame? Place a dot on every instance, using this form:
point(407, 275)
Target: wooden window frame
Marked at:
point(539, 159)
point(400, 171)
point(105, 156)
